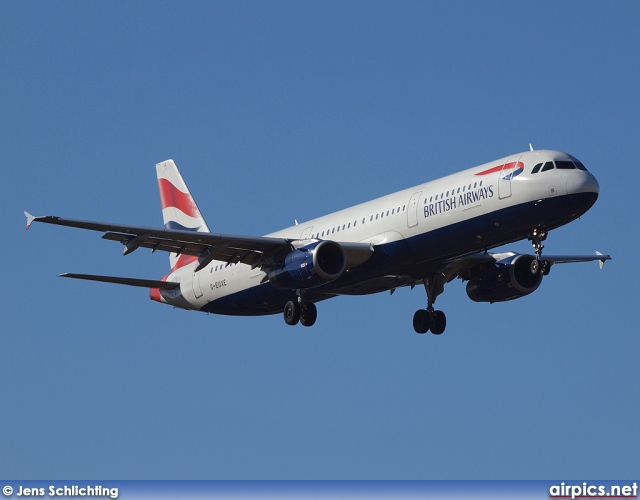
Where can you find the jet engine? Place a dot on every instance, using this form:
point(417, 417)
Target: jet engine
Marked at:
point(310, 266)
point(507, 279)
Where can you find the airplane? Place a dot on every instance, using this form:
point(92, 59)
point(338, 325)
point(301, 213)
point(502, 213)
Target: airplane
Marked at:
point(426, 235)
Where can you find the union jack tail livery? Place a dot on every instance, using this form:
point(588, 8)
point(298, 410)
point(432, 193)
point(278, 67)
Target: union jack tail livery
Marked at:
point(179, 209)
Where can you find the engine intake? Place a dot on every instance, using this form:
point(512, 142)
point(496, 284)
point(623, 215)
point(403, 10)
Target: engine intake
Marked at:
point(507, 279)
point(310, 266)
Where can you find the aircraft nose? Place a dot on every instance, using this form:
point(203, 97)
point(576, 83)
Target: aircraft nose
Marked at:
point(582, 182)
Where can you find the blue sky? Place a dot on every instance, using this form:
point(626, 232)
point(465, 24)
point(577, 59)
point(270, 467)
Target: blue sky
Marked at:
point(276, 111)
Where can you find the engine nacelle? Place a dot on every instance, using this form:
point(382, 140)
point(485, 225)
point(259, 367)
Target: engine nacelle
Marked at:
point(309, 266)
point(507, 279)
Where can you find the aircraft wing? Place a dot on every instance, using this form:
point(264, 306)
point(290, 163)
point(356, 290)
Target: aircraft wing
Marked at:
point(462, 267)
point(458, 267)
point(252, 250)
point(568, 259)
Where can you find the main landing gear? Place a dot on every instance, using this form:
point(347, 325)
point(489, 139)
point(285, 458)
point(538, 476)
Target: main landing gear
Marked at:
point(299, 310)
point(538, 265)
point(425, 320)
point(430, 319)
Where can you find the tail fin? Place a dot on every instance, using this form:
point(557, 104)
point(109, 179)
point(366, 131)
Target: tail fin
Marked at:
point(179, 210)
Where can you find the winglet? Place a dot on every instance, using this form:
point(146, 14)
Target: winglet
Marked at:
point(30, 219)
point(602, 261)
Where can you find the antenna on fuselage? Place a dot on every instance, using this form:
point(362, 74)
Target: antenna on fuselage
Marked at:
point(530, 147)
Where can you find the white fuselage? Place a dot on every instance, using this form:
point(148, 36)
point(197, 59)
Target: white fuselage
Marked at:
point(483, 193)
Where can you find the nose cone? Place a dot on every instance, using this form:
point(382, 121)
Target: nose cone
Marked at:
point(582, 182)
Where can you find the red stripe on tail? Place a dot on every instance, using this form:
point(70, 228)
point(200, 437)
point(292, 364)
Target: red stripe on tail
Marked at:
point(170, 196)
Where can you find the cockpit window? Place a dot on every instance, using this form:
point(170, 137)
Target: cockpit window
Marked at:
point(536, 168)
point(578, 163)
point(548, 166)
point(565, 165)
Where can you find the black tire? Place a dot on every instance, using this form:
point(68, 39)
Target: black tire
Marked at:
point(421, 321)
point(546, 267)
point(535, 266)
point(309, 314)
point(438, 323)
point(291, 313)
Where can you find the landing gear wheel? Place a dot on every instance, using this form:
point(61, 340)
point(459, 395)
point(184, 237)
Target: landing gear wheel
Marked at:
point(535, 266)
point(291, 313)
point(546, 267)
point(421, 321)
point(536, 237)
point(438, 322)
point(430, 319)
point(309, 314)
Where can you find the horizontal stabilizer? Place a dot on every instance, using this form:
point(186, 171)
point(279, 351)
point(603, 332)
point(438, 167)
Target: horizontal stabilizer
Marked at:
point(124, 281)
point(30, 219)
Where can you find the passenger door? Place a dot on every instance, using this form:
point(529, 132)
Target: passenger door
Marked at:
point(506, 175)
point(412, 210)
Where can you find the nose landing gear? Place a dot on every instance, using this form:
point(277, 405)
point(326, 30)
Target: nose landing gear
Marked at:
point(536, 237)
